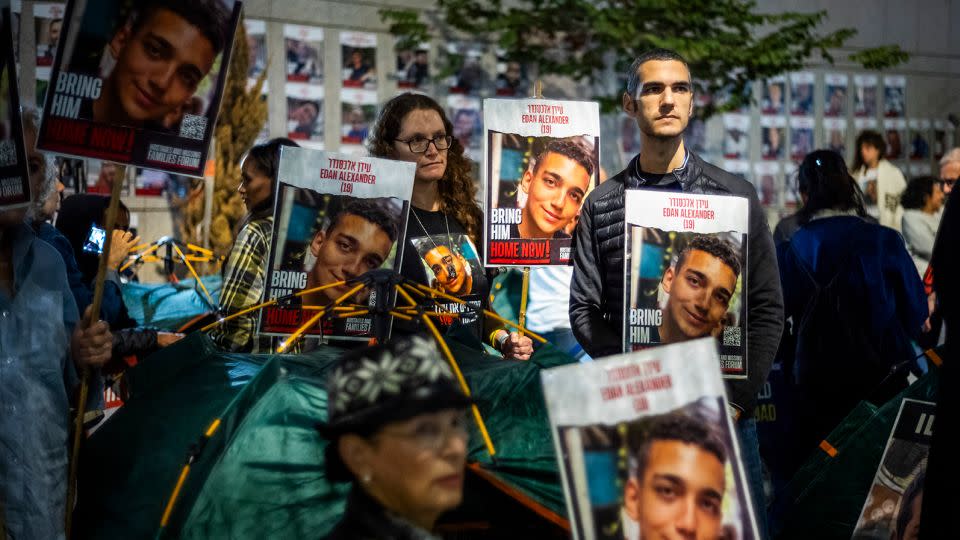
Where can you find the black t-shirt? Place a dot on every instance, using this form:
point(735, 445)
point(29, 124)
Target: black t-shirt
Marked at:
point(437, 252)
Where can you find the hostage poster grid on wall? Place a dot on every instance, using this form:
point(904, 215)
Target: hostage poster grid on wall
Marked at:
point(336, 217)
point(628, 428)
point(684, 272)
point(139, 83)
point(541, 158)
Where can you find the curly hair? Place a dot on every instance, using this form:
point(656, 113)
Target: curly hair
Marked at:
point(456, 189)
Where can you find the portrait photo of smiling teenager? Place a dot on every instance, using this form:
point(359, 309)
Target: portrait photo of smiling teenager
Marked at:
point(153, 63)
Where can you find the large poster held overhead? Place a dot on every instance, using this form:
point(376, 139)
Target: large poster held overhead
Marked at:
point(140, 82)
point(685, 272)
point(336, 217)
point(541, 158)
point(14, 181)
point(646, 447)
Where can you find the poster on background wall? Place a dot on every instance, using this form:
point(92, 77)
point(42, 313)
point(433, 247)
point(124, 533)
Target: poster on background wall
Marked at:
point(919, 138)
point(48, 25)
point(835, 135)
point(773, 96)
point(773, 137)
point(303, 46)
point(895, 133)
point(621, 427)
point(358, 110)
point(413, 67)
point(791, 191)
point(305, 119)
point(464, 113)
point(801, 137)
point(940, 145)
point(767, 181)
point(865, 95)
point(835, 94)
point(96, 109)
point(736, 136)
point(894, 96)
point(801, 94)
point(359, 59)
point(541, 158)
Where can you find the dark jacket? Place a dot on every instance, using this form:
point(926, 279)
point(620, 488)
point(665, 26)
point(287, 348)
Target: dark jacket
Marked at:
point(596, 293)
point(365, 519)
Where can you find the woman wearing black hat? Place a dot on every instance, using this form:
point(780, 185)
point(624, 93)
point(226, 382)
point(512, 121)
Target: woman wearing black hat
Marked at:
point(398, 430)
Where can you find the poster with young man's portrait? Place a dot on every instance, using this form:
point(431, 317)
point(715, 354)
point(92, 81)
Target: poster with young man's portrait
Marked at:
point(139, 81)
point(892, 507)
point(14, 179)
point(646, 447)
point(541, 158)
point(336, 218)
point(685, 272)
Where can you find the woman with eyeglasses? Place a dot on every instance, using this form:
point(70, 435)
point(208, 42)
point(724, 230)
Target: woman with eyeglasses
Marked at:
point(397, 430)
point(855, 301)
point(444, 215)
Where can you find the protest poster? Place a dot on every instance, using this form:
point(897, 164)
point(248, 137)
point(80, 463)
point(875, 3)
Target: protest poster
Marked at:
point(892, 508)
point(772, 137)
point(359, 58)
point(14, 180)
point(895, 133)
point(684, 272)
point(304, 53)
point(305, 118)
point(773, 95)
point(835, 134)
point(865, 95)
point(801, 93)
point(766, 180)
point(736, 136)
point(894, 100)
point(835, 94)
point(48, 24)
point(140, 83)
point(919, 138)
point(257, 54)
point(801, 137)
point(413, 67)
point(641, 436)
point(336, 217)
point(541, 158)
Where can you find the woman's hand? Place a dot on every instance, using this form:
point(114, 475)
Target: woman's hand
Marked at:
point(120, 245)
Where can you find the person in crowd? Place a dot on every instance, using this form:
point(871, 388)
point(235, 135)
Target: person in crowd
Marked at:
point(922, 202)
point(949, 170)
point(555, 188)
point(659, 96)
point(244, 272)
point(45, 344)
point(356, 240)
point(700, 287)
point(400, 441)
point(880, 181)
point(77, 217)
point(415, 128)
point(161, 56)
point(938, 517)
point(677, 480)
point(855, 300)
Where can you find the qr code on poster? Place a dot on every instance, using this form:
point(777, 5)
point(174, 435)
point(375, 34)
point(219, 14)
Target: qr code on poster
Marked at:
point(193, 127)
point(8, 153)
point(731, 336)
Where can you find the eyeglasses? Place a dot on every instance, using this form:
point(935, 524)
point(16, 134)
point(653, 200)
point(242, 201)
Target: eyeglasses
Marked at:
point(948, 184)
point(432, 434)
point(418, 145)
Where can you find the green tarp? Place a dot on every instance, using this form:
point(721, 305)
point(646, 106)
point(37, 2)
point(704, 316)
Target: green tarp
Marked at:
point(167, 306)
point(261, 473)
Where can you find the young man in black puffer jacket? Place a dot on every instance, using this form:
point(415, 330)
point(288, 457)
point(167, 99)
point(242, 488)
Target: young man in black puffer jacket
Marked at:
point(660, 97)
